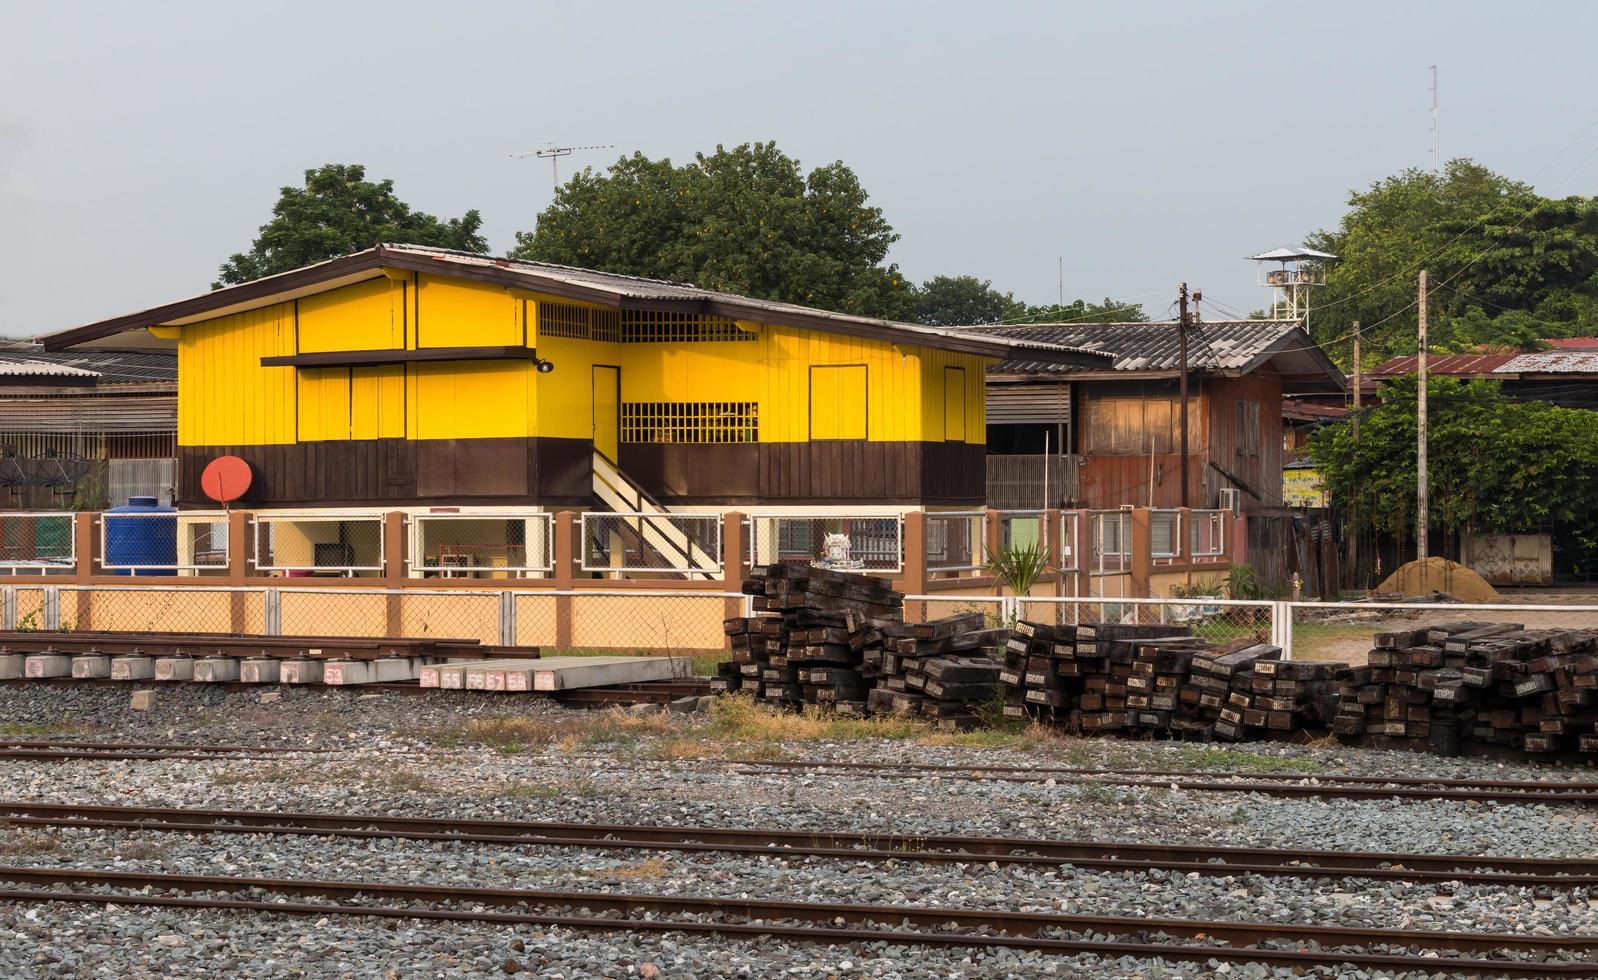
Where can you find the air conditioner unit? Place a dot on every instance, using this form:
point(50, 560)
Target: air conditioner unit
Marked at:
point(1278, 277)
point(1232, 500)
point(1306, 275)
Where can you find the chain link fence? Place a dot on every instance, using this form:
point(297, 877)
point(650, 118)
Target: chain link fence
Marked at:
point(680, 544)
point(1346, 631)
point(37, 543)
point(956, 541)
point(301, 545)
point(1217, 620)
point(482, 546)
point(867, 544)
point(171, 543)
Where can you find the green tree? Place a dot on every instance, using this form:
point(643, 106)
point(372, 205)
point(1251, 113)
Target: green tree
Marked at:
point(1488, 243)
point(954, 301)
point(1082, 311)
point(338, 212)
point(1495, 464)
point(746, 220)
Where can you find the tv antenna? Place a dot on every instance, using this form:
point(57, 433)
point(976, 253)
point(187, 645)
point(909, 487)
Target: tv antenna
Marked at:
point(1435, 147)
point(553, 153)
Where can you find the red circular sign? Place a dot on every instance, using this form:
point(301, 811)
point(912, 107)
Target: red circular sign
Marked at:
point(225, 479)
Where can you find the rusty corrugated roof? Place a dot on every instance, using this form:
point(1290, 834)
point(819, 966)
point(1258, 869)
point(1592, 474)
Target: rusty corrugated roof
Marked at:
point(1551, 362)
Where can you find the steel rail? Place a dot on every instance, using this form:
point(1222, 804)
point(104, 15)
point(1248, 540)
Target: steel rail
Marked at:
point(1208, 861)
point(1490, 784)
point(1014, 929)
point(34, 743)
point(1584, 793)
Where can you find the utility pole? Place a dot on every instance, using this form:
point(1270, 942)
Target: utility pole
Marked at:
point(1181, 333)
point(1358, 378)
point(1422, 514)
point(1353, 539)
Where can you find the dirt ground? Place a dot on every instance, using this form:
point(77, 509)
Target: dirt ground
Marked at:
point(1348, 636)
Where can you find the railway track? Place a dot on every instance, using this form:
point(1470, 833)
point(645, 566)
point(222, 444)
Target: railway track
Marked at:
point(1208, 861)
point(1325, 786)
point(1268, 784)
point(1276, 944)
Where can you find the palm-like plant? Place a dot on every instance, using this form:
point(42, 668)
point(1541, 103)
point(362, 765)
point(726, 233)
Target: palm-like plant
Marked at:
point(1019, 566)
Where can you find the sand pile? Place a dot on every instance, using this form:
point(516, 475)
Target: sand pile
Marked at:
point(1419, 578)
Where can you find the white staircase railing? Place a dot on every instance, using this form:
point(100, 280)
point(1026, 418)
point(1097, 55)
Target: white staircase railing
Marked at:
point(624, 498)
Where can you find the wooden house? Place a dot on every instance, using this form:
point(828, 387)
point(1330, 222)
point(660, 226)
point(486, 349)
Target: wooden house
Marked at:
point(1109, 435)
point(404, 376)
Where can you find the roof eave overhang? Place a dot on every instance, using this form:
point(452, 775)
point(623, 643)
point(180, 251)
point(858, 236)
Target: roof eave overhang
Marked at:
point(370, 263)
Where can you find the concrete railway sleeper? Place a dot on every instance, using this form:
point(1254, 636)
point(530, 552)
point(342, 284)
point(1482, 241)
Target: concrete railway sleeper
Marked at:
point(1209, 861)
point(1265, 942)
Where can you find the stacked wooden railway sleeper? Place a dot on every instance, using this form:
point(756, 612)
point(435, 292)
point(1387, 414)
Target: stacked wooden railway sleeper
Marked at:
point(834, 638)
point(1499, 683)
point(1157, 678)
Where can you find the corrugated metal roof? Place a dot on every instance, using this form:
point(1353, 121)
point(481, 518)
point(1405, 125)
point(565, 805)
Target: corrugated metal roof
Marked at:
point(605, 288)
point(21, 368)
point(1465, 365)
point(1572, 343)
point(640, 288)
point(1215, 345)
point(111, 367)
point(1290, 252)
point(1551, 362)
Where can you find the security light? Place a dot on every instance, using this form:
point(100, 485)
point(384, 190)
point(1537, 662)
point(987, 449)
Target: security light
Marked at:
point(544, 367)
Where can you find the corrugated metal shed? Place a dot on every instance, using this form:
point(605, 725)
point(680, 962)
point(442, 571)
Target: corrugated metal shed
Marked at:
point(1453, 365)
point(106, 367)
point(101, 413)
point(1214, 345)
point(1022, 404)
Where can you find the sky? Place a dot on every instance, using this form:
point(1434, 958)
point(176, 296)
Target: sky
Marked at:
point(1141, 144)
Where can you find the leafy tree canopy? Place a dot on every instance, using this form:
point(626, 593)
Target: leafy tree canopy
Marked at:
point(1507, 263)
point(1082, 311)
point(953, 301)
point(746, 220)
point(338, 212)
point(1495, 464)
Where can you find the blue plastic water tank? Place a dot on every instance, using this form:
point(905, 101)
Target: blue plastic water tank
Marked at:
point(142, 541)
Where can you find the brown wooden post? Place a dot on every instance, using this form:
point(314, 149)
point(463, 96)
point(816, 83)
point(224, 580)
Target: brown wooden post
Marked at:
point(83, 569)
point(913, 577)
point(394, 570)
point(734, 560)
point(238, 569)
point(992, 537)
point(1142, 552)
point(83, 545)
point(563, 576)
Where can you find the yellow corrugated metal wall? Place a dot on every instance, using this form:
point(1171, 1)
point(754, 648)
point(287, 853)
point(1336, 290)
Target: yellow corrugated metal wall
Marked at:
point(227, 398)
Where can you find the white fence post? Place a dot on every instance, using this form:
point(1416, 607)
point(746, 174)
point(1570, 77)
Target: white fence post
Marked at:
point(507, 619)
point(273, 618)
point(52, 607)
point(1282, 628)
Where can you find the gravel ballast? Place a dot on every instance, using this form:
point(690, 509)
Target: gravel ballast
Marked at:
point(415, 756)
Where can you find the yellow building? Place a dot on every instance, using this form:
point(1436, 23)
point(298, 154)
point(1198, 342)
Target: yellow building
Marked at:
point(409, 376)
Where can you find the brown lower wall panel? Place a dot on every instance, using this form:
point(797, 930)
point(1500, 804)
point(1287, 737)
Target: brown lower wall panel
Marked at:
point(558, 472)
point(831, 471)
point(398, 472)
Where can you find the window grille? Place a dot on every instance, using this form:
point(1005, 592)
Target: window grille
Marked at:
point(580, 322)
point(690, 422)
point(652, 326)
